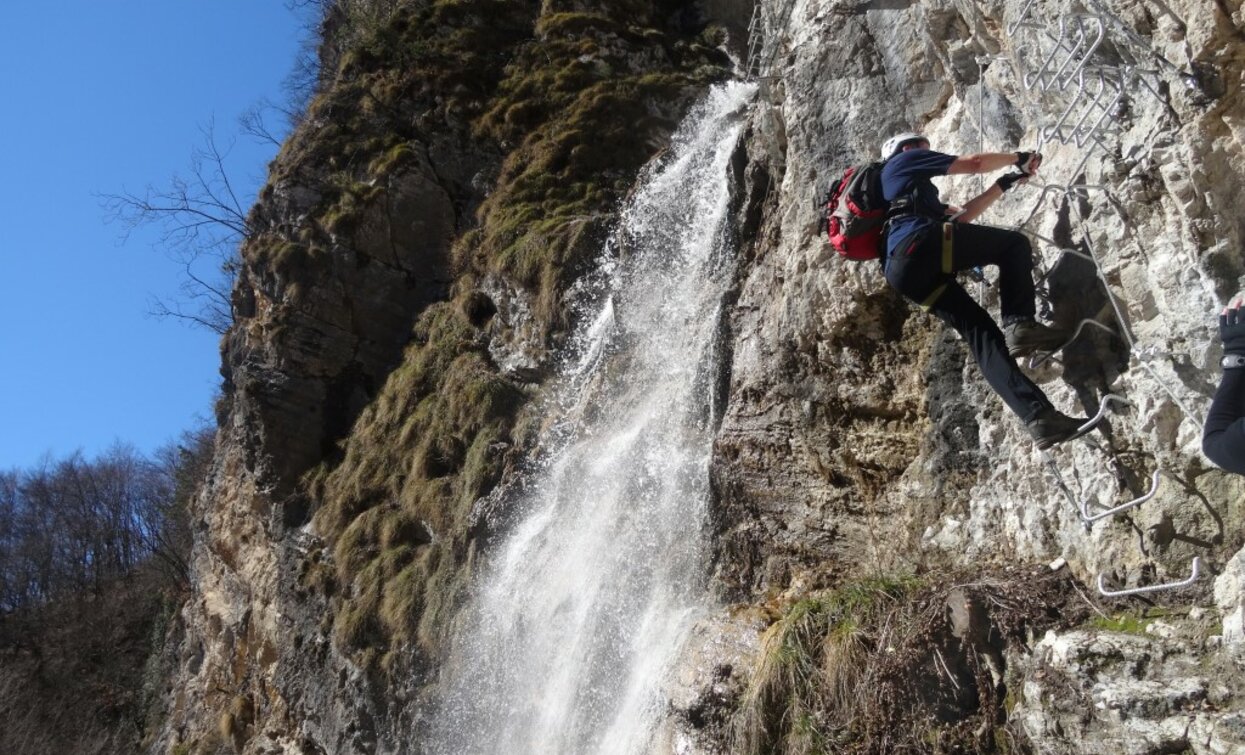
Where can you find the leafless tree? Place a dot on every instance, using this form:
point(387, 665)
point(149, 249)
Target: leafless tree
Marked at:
point(202, 222)
point(255, 122)
point(72, 526)
point(200, 215)
point(179, 470)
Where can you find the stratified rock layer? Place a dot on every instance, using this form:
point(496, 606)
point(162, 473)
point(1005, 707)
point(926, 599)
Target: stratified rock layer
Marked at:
point(404, 297)
point(397, 307)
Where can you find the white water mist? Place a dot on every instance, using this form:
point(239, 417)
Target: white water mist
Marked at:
point(584, 605)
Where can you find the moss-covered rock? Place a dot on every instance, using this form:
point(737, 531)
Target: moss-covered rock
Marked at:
point(573, 112)
point(459, 166)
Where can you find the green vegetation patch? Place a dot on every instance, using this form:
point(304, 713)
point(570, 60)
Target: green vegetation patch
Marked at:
point(876, 666)
point(813, 660)
point(585, 110)
point(421, 453)
point(570, 105)
point(416, 68)
point(1133, 621)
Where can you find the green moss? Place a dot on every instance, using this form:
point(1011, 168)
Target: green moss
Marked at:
point(358, 543)
point(355, 625)
point(585, 121)
point(1127, 622)
point(279, 254)
point(576, 103)
point(1002, 740)
point(350, 202)
point(398, 156)
point(1012, 698)
point(401, 606)
point(713, 36)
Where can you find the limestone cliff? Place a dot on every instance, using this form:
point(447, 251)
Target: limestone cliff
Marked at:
point(395, 311)
point(860, 439)
point(404, 299)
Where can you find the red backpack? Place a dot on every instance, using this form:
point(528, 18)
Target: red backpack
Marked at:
point(854, 211)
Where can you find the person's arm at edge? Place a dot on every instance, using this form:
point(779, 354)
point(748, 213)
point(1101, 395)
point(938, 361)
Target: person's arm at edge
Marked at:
point(978, 204)
point(1223, 437)
point(985, 162)
point(1223, 440)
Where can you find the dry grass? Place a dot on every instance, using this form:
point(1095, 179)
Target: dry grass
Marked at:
point(576, 103)
point(874, 667)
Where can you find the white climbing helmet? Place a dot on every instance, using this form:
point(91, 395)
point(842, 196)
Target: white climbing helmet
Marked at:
point(892, 145)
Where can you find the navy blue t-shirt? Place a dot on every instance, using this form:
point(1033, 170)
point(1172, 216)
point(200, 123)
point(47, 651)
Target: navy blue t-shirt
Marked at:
point(901, 174)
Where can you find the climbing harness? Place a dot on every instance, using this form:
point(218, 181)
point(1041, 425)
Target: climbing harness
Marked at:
point(948, 264)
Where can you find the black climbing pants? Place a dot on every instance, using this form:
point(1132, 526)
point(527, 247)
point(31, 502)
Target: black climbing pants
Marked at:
point(924, 269)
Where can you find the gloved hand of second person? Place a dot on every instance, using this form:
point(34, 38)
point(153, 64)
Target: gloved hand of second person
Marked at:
point(1028, 162)
point(1232, 328)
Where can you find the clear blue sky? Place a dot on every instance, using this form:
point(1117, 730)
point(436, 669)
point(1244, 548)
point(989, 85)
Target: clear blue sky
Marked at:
point(104, 98)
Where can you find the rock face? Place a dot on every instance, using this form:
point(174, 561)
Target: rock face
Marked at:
point(1091, 692)
point(402, 300)
point(395, 309)
point(861, 439)
point(886, 434)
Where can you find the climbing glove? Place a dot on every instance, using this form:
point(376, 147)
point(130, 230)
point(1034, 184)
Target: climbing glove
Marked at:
point(1009, 180)
point(1028, 162)
point(1232, 329)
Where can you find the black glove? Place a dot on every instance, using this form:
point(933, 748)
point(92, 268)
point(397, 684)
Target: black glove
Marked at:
point(1009, 180)
point(1028, 162)
point(1232, 330)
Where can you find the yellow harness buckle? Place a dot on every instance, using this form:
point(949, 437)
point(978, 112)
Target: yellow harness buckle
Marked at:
point(948, 235)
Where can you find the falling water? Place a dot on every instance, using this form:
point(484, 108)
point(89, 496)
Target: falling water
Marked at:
point(585, 604)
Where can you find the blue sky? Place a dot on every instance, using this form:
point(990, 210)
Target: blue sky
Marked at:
point(105, 98)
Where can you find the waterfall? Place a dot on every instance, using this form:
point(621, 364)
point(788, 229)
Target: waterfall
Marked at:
point(584, 605)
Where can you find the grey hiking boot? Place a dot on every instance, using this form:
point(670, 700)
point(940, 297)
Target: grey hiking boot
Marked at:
point(1027, 336)
point(1051, 426)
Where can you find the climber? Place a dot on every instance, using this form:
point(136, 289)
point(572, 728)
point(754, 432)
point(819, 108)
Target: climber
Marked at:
point(1223, 439)
point(928, 242)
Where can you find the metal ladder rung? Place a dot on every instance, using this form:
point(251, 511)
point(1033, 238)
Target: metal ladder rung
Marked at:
point(1061, 61)
point(1035, 361)
point(1102, 584)
point(1089, 518)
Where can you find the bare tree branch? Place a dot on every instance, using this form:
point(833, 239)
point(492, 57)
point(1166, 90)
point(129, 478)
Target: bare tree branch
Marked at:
point(201, 222)
point(254, 122)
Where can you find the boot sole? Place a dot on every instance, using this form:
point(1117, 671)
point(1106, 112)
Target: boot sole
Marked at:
point(1028, 352)
point(1046, 443)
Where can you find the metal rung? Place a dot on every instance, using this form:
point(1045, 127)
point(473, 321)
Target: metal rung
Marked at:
point(1037, 361)
point(1091, 518)
point(1078, 49)
point(1102, 412)
point(1013, 27)
point(759, 38)
point(1132, 36)
point(1102, 584)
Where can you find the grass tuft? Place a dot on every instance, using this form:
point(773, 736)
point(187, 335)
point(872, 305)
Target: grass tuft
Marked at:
point(875, 667)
